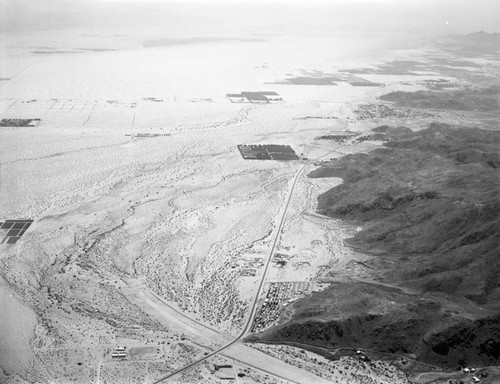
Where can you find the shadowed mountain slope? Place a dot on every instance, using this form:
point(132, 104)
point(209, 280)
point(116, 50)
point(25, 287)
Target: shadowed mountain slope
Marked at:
point(429, 208)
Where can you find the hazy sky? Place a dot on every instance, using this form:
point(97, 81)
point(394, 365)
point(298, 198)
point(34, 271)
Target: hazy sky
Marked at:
point(415, 16)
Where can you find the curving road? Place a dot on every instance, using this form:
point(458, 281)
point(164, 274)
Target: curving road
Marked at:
point(253, 311)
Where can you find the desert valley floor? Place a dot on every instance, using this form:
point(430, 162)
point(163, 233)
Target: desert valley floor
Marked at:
point(154, 242)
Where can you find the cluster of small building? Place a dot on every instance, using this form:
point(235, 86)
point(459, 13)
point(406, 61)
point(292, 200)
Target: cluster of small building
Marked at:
point(248, 272)
point(148, 134)
point(436, 85)
point(380, 111)
point(316, 117)
point(472, 371)
point(224, 371)
point(119, 353)
point(373, 137)
point(154, 99)
point(312, 80)
point(279, 260)
point(251, 269)
point(278, 296)
point(361, 355)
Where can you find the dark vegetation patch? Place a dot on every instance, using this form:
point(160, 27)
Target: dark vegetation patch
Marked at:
point(97, 49)
point(396, 67)
point(254, 97)
point(53, 52)
point(365, 83)
point(317, 77)
point(442, 65)
point(305, 80)
point(19, 122)
point(451, 63)
point(339, 137)
point(56, 51)
point(454, 62)
point(267, 152)
point(429, 207)
point(12, 230)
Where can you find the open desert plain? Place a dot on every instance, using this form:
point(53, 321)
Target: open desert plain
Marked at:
point(249, 192)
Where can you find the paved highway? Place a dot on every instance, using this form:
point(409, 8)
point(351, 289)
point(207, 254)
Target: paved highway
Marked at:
point(253, 311)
